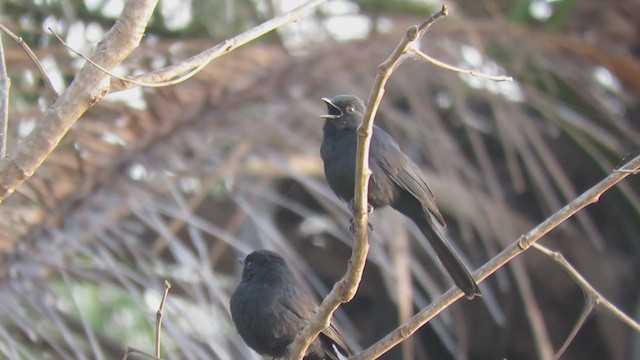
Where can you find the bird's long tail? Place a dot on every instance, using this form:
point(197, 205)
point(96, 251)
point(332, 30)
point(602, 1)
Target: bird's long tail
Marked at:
point(448, 257)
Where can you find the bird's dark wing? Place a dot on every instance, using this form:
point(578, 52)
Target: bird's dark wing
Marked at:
point(332, 334)
point(294, 309)
point(304, 308)
point(402, 171)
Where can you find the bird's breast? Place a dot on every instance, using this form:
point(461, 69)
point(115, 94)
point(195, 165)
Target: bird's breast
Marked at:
point(339, 155)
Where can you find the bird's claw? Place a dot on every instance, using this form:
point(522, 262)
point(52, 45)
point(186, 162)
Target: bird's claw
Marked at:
point(352, 207)
point(352, 227)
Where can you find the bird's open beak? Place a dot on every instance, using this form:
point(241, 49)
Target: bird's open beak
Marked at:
point(330, 103)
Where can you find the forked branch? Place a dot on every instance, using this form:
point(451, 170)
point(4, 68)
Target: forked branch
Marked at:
point(516, 248)
point(345, 289)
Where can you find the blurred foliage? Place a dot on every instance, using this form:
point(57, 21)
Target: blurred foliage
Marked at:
point(553, 14)
point(396, 7)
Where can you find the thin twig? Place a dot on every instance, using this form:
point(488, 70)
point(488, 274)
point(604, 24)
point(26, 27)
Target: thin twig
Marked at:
point(34, 58)
point(131, 350)
point(5, 84)
point(345, 289)
point(426, 24)
point(189, 67)
point(516, 248)
point(588, 309)
point(443, 65)
point(600, 300)
point(159, 314)
point(219, 50)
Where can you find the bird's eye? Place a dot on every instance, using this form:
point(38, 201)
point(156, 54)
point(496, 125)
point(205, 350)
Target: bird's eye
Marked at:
point(351, 109)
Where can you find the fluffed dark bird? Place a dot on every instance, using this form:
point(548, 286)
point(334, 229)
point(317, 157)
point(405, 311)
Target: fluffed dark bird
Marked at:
point(395, 180)
point(269, 307)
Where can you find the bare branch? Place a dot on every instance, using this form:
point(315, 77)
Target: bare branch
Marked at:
point(159, 314)
point(5, 84)
point(184, 70)
point(426, 24)
point(600, 300)
point(516, 248)
point(345, 289)
point(443, 65)
point(220, 50)
point(34, 58)
point(87, 88)
point(588, 309)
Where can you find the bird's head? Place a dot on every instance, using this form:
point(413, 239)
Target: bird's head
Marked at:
point(344, 111)
point(263, 264)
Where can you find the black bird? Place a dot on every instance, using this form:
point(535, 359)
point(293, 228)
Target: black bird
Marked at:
point(269, 307)
point(395, 181)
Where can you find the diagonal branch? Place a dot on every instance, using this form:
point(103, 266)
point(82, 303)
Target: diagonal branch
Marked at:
point(220, 50)
point(516, 248)
point(184, 70)
point(91, 84)
point(594, 297)
point(588, 309)
point(87, 87)
point(446, 66)
point(591, 292)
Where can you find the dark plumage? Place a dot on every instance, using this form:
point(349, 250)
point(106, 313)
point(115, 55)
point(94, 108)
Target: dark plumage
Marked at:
point(395, 181)
point(269, 307)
